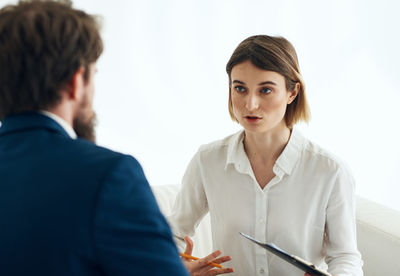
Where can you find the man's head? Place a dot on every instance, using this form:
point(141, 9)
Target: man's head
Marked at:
point(44, 46)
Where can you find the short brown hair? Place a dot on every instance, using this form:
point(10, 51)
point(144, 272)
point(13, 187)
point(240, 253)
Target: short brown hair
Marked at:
point(42, 45)
point(273, 54)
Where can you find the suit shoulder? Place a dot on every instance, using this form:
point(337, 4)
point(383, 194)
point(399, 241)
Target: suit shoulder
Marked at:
point(88, 154)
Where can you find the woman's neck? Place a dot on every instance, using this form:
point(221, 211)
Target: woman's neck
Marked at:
point(266, 146)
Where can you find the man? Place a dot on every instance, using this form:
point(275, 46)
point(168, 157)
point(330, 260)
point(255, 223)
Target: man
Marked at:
point(67, 206)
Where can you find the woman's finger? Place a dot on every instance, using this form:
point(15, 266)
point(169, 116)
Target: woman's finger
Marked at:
point(210, 271)
point(189, 245)
point(219, 271)
point(222, 259)
point(210, 258)
point(203, 262)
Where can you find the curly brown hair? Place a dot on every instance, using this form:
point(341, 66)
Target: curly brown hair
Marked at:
point(42, 45)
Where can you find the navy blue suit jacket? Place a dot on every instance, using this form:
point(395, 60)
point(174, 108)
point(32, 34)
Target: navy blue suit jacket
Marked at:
point(69, 207)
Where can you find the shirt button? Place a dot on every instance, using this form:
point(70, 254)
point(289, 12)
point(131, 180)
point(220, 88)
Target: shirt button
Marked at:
point(262, 270)
point(261, 221)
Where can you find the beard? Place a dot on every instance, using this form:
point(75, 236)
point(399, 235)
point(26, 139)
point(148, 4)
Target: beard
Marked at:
point(84, 125)
point(85, 121)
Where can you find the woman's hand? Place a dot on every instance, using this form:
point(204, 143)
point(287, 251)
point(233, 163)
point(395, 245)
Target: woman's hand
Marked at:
point(306, 274)
point(200, 267)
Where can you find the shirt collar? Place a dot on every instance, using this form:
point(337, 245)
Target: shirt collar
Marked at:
point(292, 152)
point(236, 154)
point(61, 122)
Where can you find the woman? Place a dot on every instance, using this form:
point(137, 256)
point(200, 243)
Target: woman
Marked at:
point(268, 180)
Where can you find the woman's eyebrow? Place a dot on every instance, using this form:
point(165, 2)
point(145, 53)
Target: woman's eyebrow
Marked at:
point(267, 82)
point(261, 83)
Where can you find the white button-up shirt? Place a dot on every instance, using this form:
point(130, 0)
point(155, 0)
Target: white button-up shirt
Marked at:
point(307, 209)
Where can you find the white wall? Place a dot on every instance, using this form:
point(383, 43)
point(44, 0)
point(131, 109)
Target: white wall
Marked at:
point(162, 87)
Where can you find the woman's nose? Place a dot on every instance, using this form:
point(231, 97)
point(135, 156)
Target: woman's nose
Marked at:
point(252, 102)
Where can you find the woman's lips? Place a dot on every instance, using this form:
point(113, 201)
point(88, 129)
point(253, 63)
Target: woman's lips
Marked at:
point(252, 119)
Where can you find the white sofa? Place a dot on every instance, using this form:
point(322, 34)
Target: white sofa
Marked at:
point(378, 230)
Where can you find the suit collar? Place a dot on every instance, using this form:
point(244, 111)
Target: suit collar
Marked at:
point(30, 120)
point(61, 122)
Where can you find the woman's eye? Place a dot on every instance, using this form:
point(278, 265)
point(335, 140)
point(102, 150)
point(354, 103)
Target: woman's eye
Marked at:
point(240, 89)
point(266, 90)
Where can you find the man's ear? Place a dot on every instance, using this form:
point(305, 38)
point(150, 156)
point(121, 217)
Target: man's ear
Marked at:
point(294, 93)
point(76, 84)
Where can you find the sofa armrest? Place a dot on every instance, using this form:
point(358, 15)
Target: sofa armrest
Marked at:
point(378, 236)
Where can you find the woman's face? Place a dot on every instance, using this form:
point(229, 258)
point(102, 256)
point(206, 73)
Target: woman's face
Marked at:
point(259, 97)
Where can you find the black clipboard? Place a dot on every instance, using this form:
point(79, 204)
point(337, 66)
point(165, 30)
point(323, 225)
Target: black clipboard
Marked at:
point(294, 260)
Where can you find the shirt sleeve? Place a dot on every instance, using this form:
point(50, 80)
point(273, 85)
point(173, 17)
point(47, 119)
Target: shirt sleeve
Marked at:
point(342, 255)
point(131, 237)
point(191, 203)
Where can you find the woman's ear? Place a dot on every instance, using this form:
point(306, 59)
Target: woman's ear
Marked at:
point(293, 94)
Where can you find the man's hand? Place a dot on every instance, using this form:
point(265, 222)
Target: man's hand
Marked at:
point(201, 266)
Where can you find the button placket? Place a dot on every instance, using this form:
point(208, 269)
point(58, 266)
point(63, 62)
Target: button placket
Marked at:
point(264, 270)
point(259, 231)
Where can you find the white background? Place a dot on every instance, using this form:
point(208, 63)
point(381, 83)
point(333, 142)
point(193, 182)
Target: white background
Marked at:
point(162, 90)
